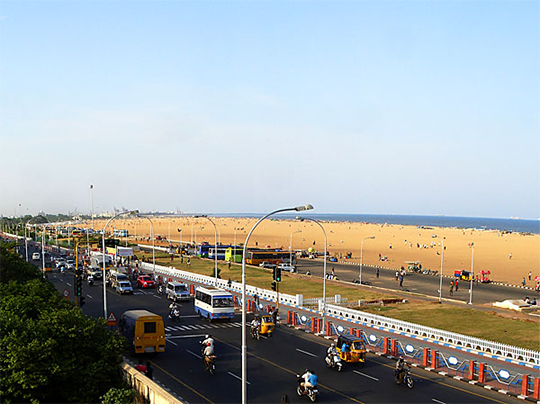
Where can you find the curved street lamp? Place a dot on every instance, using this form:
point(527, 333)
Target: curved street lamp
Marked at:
point(361, 251)
point(324, 270)
point(244, 342)
point(215, 245)
point(290, 246)
point(440, 282)
point(127, 212)
point(153, 244)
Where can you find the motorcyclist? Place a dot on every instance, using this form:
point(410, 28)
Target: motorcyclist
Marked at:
point(310, 380)
point(208, 354)
point(255, 324)
point(208, 340)
point(90, 280)
point(400, 367)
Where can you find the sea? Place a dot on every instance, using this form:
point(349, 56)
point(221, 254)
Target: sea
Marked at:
point(479, 223)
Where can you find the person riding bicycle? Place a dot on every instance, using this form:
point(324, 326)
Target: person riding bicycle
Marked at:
point(310, 380)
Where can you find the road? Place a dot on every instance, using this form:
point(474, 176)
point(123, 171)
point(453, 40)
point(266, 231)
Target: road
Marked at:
point(272, 362)
point(416, 283)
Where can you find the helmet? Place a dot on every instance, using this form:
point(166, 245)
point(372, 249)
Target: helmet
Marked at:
point(332, 345)
point(307, 371)
point(207, 336)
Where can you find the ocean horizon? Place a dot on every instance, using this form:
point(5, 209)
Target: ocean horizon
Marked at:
point(480, 223)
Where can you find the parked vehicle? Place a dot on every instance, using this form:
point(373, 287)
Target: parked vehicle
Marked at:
point(287, 267)
point(145, 281)
point(266, 264)
point(144, 331)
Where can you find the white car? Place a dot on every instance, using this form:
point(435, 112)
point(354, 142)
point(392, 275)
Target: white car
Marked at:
point(36, 256)
point(287, 267)
point(266, 264)
point(124, 287)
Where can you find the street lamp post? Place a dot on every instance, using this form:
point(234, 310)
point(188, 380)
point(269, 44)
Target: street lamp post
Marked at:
point(440, 282)
point(153, 246)
point(244, 341)
point(215, 246)
point(290, 246)
point(104, 255)
point(324, 271)
point(361, 256)
point(472, 274)
point(92, 193)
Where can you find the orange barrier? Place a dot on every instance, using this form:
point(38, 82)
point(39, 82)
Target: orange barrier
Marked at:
point(471, 370)
point(434, 359)
point(425, 356)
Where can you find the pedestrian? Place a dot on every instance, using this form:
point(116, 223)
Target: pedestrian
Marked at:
point(523, 282)
point(181, 259)
point(140, 367)
point(530, 275)
point(149, 371)
point(377, 272)
point(401, 280)
point(397, 275)
point(189, 261)
point(451, 288)
point(457, 284)
point(229, 283)
point(333, 272)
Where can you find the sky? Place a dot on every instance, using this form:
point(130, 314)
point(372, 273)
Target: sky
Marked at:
point(383, 107)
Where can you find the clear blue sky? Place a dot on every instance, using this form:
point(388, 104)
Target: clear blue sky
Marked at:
point(352, 106)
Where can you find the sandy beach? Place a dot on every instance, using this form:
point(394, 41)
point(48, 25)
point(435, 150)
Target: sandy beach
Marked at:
point(509, 256)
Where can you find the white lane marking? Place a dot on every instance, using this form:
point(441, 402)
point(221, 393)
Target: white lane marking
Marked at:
point(159, 297)
point(200, 327)
point(194, 354)
point(437, 401)
point(238, 377)
point(307, 353)
point(69, 284)
point(175, 344)
point(187, 336)
point(89, 296)
point(194, 315)
point(363, 374)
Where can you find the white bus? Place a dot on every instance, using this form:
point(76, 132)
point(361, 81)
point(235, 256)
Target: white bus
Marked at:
point(214, 304)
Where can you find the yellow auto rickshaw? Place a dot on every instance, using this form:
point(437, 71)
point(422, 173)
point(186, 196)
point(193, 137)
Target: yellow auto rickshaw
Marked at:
point(351, 349)
point(267, 325)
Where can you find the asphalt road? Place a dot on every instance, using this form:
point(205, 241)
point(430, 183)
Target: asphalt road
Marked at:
point(416, 283)
point(272, 362)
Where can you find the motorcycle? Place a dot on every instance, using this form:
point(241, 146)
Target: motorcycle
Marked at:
point(255, 333)
point(90, 281)
point(174, 314)
point(333, 361)
point(160, 290)
point(311, 392)
point(209, 363)
point(406, 378)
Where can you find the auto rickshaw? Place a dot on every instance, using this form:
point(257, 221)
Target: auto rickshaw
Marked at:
point(414, 266)
point(357, 349)
point(462, 275)
point(267, 325)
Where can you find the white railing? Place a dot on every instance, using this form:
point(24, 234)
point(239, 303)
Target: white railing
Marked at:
point(337, 299)
point(460, 340)
point(170, 272)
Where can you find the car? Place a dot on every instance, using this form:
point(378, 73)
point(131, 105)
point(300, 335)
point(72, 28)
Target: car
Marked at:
point(97, 273)
point(124, 287)
point(177, 291)
point(266, 264)
point(287, 267)
point(145, 281)
point(60, 263)
point(36, 256)
point(333, 259)
point(70, 263)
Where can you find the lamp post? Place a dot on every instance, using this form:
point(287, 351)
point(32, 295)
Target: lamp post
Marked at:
point(440, 282)
point(234, 245)
point(92, 193)
point(290, 246)
point(324, 270)
point(215, 246)
point(361, 256)
point(153, 245)
point(472, 274)
point(244, 342)
point(127, 212)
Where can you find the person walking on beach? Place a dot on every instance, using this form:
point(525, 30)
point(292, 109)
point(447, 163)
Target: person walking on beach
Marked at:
point(457, 284)
point(530, 275)
point(523, 282)
point(451, 288)
point(397, 275)
point(401, 280)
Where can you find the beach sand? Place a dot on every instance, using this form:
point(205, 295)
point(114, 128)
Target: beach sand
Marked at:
point(509, 256)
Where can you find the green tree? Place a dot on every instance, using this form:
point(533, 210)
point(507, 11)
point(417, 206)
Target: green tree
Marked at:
point(49, 350)
point(119, 396)
point(13, 268)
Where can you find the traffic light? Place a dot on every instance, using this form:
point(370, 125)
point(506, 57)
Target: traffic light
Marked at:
point(278, 275)
point(274, 273)
point(274, 286)
point(81, 301)
point(78, 286)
